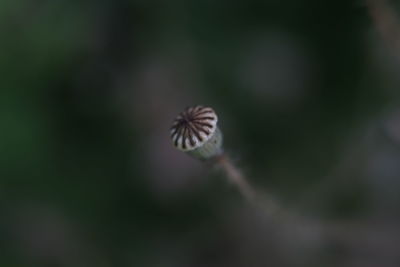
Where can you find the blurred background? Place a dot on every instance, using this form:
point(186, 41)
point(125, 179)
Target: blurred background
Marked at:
point(307, 94)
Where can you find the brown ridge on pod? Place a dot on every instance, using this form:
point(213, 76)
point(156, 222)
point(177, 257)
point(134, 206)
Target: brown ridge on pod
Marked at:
point(193, 127)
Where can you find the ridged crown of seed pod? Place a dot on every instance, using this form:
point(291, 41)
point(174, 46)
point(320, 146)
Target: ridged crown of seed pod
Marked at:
point(193, 127)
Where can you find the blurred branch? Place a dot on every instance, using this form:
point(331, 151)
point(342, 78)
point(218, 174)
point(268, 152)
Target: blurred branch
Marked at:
point(386, 22)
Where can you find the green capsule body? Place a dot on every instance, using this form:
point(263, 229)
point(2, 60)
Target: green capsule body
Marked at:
point(211, 148)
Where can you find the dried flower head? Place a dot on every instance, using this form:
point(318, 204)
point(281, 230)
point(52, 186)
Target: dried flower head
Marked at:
point(195, 131)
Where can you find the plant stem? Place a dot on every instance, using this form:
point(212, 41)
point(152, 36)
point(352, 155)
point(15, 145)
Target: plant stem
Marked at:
point(236, 177)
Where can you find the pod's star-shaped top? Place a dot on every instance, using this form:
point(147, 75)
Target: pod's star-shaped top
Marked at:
point(193, 127)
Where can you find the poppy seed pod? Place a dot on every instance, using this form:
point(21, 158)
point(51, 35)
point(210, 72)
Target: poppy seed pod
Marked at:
point(195, 131)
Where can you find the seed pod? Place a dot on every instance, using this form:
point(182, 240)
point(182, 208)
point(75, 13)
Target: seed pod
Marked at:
point(195, 131)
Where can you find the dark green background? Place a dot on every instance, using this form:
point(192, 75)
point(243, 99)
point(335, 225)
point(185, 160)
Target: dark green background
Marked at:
point(307, 97)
